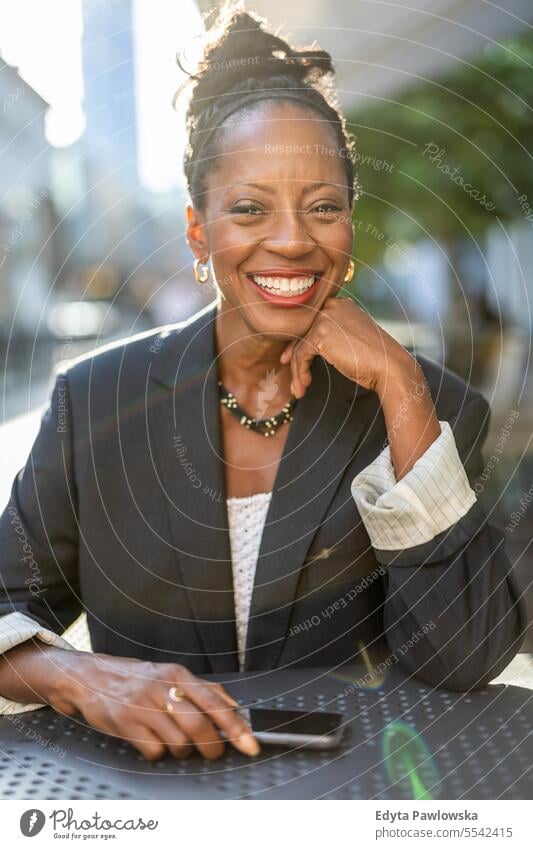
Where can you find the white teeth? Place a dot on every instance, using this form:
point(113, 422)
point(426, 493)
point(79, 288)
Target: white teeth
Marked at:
point(284, 285)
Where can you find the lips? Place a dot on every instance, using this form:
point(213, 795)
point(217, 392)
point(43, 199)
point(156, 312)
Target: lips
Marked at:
point(285, 286)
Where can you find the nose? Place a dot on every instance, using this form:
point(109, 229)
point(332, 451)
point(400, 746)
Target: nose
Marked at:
point(288, 235)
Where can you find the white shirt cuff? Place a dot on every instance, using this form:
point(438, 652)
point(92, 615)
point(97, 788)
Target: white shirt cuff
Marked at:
point(16, 628)
point(429, 499)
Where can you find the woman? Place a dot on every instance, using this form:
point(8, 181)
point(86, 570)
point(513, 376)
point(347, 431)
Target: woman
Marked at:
point(276, 482)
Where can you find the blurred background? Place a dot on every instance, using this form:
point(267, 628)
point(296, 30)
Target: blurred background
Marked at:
point(92, 248)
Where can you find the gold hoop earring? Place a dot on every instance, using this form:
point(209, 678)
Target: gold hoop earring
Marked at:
point(201, 275)
point(350, 272)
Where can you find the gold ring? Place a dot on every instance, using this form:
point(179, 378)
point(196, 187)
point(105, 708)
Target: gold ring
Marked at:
point(176, 694)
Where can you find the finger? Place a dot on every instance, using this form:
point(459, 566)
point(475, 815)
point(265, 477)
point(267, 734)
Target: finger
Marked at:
point(208, 700)
point(198, 728)
point(223, 694)
point(171, 734)
point(297, 387)
point(301, 361)
point(287, 353)
point(145, 740)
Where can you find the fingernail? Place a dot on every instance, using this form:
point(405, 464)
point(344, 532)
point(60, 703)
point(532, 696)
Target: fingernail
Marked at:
point(292, 388)
point(249, 744)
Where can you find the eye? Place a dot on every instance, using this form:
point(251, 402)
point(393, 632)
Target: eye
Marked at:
point(324, 208)
point(249, 209)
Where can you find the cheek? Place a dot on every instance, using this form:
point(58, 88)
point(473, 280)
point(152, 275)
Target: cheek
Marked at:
point(228, 249)
point(229, 244)
point(337, 241)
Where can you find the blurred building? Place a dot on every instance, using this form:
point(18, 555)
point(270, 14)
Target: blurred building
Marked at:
point(109, 146)
point(28, 260)
point(119, 222)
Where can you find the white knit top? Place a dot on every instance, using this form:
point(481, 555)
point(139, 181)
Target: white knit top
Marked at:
point(246, 519)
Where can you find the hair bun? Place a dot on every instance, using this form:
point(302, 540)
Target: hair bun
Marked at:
point(239, 47)
point(242, 59)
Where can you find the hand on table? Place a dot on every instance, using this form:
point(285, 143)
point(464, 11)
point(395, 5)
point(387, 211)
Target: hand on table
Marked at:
point(127, 698)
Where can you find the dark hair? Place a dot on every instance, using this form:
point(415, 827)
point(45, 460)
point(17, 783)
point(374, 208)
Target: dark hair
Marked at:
point(242, 57)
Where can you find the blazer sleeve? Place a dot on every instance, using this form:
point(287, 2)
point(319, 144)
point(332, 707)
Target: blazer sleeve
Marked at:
point(453, 613)
point(39, 580)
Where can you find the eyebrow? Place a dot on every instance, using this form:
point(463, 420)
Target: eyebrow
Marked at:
point(321, 186)
point(270, 190)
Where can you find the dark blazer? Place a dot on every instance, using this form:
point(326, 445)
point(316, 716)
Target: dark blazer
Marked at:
point(123, 503)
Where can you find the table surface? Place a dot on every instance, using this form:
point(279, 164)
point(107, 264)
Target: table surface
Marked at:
point(403, 740)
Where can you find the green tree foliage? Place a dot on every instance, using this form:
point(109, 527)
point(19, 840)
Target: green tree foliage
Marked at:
point(475, 125)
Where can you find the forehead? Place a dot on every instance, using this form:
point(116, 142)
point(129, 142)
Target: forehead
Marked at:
point(277, 142)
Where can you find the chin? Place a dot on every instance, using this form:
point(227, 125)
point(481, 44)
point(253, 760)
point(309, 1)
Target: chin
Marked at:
point(279, 322)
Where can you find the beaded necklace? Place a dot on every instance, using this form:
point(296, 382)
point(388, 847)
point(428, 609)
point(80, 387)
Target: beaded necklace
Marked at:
point(267, 427)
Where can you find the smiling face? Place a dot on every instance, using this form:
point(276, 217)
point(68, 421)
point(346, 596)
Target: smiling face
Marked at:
point(276, 221)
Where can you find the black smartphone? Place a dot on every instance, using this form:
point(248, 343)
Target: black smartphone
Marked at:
point(278, 727)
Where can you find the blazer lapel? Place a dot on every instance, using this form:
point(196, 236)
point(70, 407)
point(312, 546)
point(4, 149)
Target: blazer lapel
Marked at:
point(187, 445)
point(323, 437)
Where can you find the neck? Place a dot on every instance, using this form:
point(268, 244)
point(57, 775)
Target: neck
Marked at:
point(247, 360)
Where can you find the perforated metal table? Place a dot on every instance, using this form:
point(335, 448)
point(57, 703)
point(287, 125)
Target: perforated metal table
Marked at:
point(474, 746)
